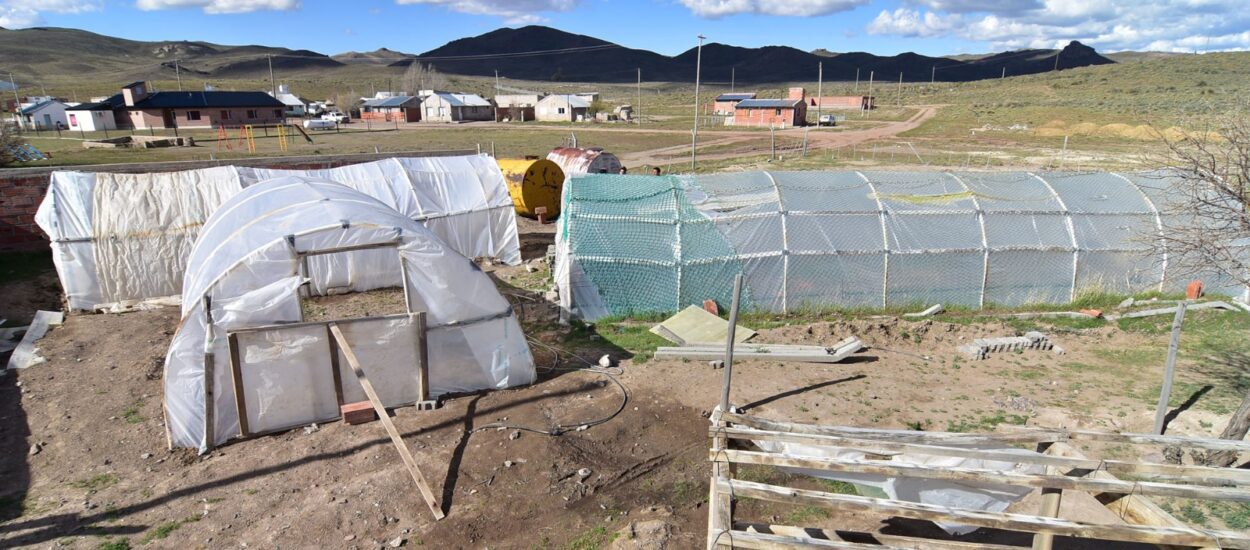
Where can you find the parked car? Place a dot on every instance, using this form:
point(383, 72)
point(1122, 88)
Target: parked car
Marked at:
point(336, 117)
point(319, 124)
point(827, 120)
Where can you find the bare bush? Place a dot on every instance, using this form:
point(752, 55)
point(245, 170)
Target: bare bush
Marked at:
point(420, 76)
point(8, 140)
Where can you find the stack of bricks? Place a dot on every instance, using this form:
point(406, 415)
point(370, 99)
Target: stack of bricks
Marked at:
point(981, 347)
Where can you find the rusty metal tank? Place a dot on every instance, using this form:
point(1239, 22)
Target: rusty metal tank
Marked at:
point(584, 161)
point(533, 183)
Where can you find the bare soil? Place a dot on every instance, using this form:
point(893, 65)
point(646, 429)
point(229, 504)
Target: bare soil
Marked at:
point(83, 456)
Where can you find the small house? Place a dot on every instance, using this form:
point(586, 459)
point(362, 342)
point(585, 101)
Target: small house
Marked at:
point(137, 107)
point(91, 117)
point(449, 107)
point(725, 103)
point(403, 108)
point(781, 113)
point(45, 115)
point(857, 102)
point(563, 108)
point(295, 106)
point(515, 107)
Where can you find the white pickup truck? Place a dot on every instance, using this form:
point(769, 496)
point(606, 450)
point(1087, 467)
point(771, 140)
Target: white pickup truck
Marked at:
point(336, 117)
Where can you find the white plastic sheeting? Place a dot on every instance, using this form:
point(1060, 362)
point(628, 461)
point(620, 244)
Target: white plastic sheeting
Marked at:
point(246, 261)
point(119, 239)
point(850, 239)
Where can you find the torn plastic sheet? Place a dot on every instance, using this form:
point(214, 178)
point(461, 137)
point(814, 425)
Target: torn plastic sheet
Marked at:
point(26, 354)
point(968, 496)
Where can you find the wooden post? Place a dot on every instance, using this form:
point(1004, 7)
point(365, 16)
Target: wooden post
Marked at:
point(336, 370)
point(210, 422)
point(236, 374)
point(404, 453)
point(1051, 498)
point(423, 365)
point(720, 503)
point(1168, 370)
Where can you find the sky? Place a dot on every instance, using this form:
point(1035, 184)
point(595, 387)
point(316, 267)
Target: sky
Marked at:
point(885, 27)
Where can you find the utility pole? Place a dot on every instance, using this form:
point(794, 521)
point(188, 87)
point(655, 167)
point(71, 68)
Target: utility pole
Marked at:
point(900, 89)
point(178, 73)
point(17, 102)
point(1004, 73)
point(933, 75)
point(694, 134)
point(639, 109)
point(871, 101)
point(272, 86)
point(496, 81)
point(857, 80)
point(1057, 52)
point(820, 93)
point(733, 76)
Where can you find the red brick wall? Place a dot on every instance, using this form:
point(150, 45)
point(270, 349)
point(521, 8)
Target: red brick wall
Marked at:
point(22, 189)
point(789, 117)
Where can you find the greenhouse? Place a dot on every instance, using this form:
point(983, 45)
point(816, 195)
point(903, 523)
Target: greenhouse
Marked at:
point(811, 240)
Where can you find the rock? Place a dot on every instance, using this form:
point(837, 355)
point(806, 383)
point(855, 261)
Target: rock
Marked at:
point(643, 535)
point(530, 268)
point(583, 473)
point(507, 464)
point(34, 449)
point(399, 541)
point(349, 538)
point(145, 456)
point(605, 361)
point(515, 435)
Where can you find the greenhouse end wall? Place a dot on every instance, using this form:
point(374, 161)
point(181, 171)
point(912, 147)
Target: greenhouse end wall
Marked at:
point(817, 240)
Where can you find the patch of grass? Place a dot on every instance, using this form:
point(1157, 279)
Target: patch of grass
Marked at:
point(132, 414)
point(838, 487)
point(1193, 514)
point(165, 529)
point(114, 544)
point(1235, 515)
point(985, 423)
point(806, 515)
point(20, 266)
point(594, 539)
point(97, 483)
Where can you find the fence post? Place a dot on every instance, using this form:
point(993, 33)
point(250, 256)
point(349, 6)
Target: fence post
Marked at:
point(772, 138)
point(1168, 370)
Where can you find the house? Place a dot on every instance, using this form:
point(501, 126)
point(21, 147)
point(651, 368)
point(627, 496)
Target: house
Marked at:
point(724, 103)
point(295, 106)
point(858, 102)
point(780, 113)
point(563, 108)
point(515, 107)
point(401, 108)
point(450, 107)
point(45, 115)
point(137, 107)
point(91, 117)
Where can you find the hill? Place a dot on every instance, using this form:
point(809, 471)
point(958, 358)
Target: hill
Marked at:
point(380, 56)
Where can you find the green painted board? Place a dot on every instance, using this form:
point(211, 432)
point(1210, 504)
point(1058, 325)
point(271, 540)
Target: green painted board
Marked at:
point(694, 325)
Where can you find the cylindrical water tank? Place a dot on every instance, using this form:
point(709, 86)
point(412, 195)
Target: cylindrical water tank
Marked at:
point(533, 183)
point(584, 161)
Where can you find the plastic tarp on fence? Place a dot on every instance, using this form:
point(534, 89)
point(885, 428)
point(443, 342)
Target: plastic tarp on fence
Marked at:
point(123, 238)
point(635, 244)
point(246, 266)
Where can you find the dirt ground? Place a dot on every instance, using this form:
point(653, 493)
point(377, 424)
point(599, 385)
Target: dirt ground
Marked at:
point(83, 458)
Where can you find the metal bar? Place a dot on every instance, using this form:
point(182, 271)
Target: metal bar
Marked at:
point(1170, 368)
point(985, 244)
point(729, 344)
point(423, 359)
point(785, 246)
point(236, 373)
point(885, 239)
point(1076, 248)
point(279, 326)
point(1163, 272)
point(335, 250)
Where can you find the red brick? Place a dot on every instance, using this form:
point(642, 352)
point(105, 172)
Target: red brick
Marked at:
point(358, 413)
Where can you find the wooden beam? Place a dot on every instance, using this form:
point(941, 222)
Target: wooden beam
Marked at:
point(763, 541)
point(423, 358)
point(404, 453)
point(902, 436)
point(236, 375)
point(1194, 475)
point(883, 539)
point(994, 520)
point(1140, 439)
point(892, 469)
point(336, 370)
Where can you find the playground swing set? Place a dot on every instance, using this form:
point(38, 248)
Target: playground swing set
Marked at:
point(245, 137)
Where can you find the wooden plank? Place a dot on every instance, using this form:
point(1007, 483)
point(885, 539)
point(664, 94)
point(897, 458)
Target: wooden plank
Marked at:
point(1169, 368)
point(764, 541)
point(423, 359)
point(883, 539)
point(236, 375)
point(1213, 444)
point(1193, 475)
point(210, 407)
point(336, 370)
point(969, 475)
point(1133, 509)
point(281, 326)
point(1049, 508)
point(994, 520)
point(901, 436)
point(404, 453)
point(801, 356)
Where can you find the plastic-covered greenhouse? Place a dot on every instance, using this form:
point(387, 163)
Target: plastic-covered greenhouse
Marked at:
point(634, 244)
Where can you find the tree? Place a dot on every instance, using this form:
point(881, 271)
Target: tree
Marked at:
point(8, 140)
point(420, 76)
point(1207, 223)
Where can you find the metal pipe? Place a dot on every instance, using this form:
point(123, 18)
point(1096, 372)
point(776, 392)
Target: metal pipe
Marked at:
point(729, 344)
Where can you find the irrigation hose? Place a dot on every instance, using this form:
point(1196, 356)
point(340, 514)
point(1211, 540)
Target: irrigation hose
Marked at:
point(558, 429)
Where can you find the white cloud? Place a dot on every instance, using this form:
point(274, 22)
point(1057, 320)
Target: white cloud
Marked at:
point(798, 8)
point(16, 14)
point(513, 12)
point(1110, 25)
point(219, 6)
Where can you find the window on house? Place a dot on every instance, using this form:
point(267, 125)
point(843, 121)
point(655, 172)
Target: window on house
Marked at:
point(73, 120)
point(560, 110)
point(778, 113)
point(277, 113)
point(251, 113)
point(225, 115)
point(193, 115)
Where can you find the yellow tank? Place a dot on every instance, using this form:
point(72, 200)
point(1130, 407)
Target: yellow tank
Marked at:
point(533, 183)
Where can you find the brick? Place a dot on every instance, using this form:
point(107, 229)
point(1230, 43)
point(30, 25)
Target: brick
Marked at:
point(358, 413)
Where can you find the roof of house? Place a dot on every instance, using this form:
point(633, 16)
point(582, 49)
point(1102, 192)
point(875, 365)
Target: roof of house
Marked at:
point(768, 103)
point(98, 106)
point(574, 101)
point(290, 100)
point(38, 106)
point(463, 100)
point(394, 101)
point(735, 97)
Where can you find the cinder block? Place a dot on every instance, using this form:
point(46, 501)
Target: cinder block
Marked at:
point(358, 413)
